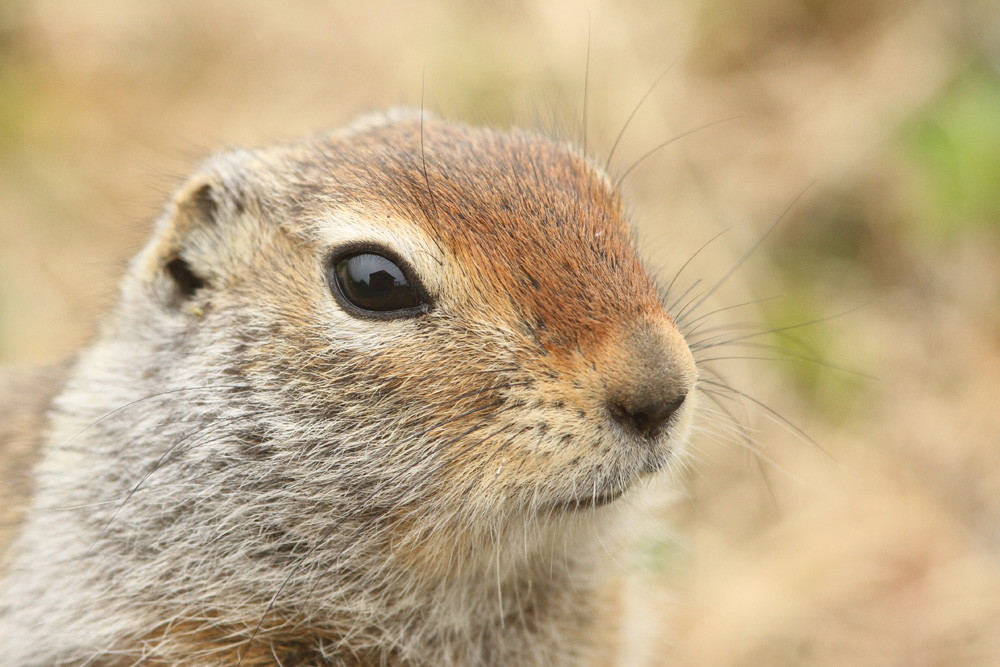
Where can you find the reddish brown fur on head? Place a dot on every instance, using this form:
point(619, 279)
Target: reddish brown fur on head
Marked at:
point(544, 230)
point(532, 270)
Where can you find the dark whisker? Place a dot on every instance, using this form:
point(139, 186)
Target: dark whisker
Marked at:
point(586, 85)
point(140, 400)
point(746, 255)
point(786, 355)
point(765, 332)
point(767, 483)
point(688, 302)
point(440, 447)
point(462, 415)
point(635, 110)
point(746, 439)
point(672, 306)
point(173, 454)
point(423, 157)
point(706, 332)
point(292, 572)
point(505, 369)
point(661, 146)
point(753, 302)
point(777, 415)
point(333, 529)
point(677, 275)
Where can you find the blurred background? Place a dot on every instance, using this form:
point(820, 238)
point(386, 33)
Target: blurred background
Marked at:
point(845, 508)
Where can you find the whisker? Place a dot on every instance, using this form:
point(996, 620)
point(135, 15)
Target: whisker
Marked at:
point(785, 355)
point(746, 255)
point(704, 316)
point(747, 441)
point(765, 332)
point(677, 274)
point(672, 306)
point(173, 456)
point(697, 295)
point(586, 84)
point(635, 110)
point(336, 526)
point(441, 446)
point(706, 332)
point(774, 413)
point(453, 418)
point(503, 369)
point(661, 146)
point(423, 157)
point(296, 569)
point(770, 487)
point(146, 398)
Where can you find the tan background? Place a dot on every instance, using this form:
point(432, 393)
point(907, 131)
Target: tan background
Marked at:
point(875, 544)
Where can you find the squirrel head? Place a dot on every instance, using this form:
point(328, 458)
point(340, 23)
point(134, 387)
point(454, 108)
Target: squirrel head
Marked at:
point(432, 328)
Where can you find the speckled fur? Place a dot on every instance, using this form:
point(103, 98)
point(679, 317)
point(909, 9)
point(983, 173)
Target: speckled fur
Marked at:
point(240, 468)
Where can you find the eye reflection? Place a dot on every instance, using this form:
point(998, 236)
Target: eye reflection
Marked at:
point(372, 282)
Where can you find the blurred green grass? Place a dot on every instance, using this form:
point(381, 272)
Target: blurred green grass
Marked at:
point(952, 147)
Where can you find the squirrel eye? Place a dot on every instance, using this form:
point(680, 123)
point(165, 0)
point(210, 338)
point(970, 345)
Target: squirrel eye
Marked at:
point(375, 285)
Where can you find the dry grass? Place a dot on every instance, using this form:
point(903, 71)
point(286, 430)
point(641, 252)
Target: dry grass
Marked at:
point(879, 543)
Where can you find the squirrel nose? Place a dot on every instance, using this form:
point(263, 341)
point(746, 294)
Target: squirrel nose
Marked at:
point(644, 415)
point(649, 379)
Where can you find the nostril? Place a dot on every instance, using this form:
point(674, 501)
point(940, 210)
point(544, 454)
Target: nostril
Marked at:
point(648, 374)
point(645, 415)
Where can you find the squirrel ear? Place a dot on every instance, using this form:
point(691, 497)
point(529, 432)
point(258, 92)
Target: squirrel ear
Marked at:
point(197, 240)
point(194, 213)
point(195, 206)
point(191, 248)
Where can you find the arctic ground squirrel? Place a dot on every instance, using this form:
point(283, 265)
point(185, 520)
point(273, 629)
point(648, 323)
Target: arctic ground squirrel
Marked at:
point(371, 397)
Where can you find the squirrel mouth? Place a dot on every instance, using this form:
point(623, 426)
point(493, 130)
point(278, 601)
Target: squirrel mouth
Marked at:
point(591, 501)
point(606, 494)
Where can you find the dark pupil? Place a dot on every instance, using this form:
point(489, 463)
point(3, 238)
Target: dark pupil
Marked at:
point(372, 282)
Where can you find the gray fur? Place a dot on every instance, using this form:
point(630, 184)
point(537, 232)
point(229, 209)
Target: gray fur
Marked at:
point(244, 466)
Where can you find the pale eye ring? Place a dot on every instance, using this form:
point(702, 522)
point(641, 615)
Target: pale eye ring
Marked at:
point(371, 283)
